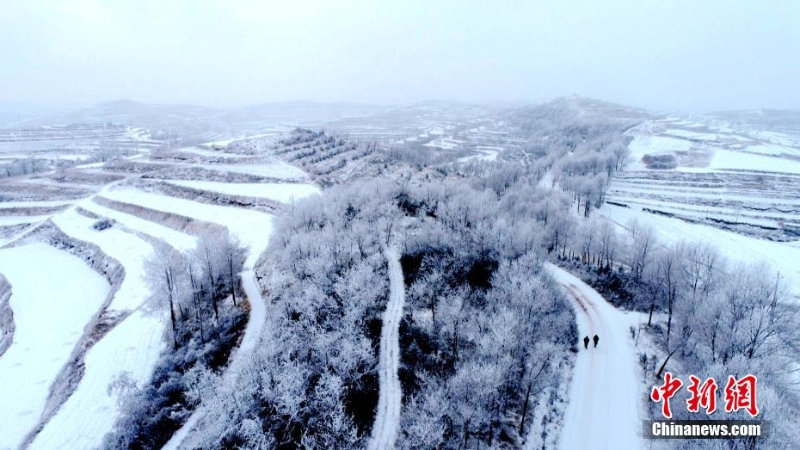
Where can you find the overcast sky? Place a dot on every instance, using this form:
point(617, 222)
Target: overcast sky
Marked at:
point(692, 55)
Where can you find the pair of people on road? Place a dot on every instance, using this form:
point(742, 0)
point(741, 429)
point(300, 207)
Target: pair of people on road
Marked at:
point(586, 341)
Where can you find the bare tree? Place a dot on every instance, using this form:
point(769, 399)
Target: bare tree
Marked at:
point(167, 278)
point(642, 246)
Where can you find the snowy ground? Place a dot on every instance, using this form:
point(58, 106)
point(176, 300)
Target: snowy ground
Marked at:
point(276, 169)
point(387, 418)
point(132, 346)
point(484, 154)
point(213, 153)
point(782, 256)
point(179, 241)
point(281, 192)
point(603, 410)
point(54, 295)
point(253, 228)
point(733, 187)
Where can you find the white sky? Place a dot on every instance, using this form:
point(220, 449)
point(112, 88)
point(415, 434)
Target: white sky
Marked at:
point(690, 55)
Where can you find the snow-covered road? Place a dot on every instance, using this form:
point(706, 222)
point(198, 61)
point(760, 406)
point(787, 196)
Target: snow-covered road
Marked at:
point(603, 410)
point(387, 418)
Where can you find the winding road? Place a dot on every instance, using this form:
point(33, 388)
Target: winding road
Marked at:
point(603, 409)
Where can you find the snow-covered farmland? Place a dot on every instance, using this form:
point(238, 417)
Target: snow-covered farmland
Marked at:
point(212, 153)
point(180, 241)
point(730, 160)
point(277, 169)
point(132, 346)
point(54, 295)
point(253, 228)
point(281, 192)
point(781, 256)
point(130, 250)
point(735, 189)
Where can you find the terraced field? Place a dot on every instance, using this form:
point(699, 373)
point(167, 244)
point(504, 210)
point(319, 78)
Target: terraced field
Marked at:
point(101, 223)
point(42, 149)
point(328, 159)
point(708, 179)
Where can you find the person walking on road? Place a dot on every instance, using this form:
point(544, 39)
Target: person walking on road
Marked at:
point(586, 342)
point(595, 339)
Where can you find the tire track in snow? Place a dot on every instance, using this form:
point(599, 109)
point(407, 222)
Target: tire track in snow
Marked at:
point(604, 396)
point(387, 418)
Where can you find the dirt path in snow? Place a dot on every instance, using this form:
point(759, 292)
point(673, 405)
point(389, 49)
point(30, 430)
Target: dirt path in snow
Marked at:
point(603, 409)
point(387, 418)
point(255, 324)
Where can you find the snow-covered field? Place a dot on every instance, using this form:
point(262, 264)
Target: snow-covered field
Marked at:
point(281, 192)
point(252, 227)
point(77, 293)
point(275, 170)
point(737, 191)
point(179, 241)
point(783, 257)
point(54, 295)
point(132, 346)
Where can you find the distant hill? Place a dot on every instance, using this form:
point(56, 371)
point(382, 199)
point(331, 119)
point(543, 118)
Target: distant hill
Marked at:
point(783, 120)
point(592, 107)
point(202, 123)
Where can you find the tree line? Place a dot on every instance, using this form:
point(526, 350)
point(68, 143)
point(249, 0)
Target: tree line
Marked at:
point(200, 294)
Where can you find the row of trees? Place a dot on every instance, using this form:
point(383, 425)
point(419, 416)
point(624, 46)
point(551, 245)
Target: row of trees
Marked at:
point(27, 166)
point(200, 293)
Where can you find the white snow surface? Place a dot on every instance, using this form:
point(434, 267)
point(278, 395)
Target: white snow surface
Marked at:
point(726, 159)
point(252, 227)
point(34, 204)
point(691, 134)
point(213, 153)
point(390, 395)
point(180, 241)
point(16, 220)
point(276, 169)
point(281, 192)
point(603, 409)
point(736, 247)
point(133, 346)
point(54, 295)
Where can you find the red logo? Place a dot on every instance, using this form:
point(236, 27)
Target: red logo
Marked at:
point(741, 394)
point(665, 393)
point(705, 395)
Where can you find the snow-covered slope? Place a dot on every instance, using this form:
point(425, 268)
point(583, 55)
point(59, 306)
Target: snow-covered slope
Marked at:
point(281, 192)
point(132, 346)
point(54, 295)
